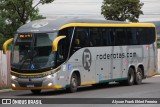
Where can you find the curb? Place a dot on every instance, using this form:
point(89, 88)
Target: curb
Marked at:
point(156, 76)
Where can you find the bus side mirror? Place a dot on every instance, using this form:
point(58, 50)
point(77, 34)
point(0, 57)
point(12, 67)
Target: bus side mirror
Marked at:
point(55, 43)
point(5, 45)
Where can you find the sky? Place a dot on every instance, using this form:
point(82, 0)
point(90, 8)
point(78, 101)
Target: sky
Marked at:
point(85, 8)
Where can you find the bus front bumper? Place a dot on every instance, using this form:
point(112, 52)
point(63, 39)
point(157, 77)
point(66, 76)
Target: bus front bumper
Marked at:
point(37, 88)
point(34, 83)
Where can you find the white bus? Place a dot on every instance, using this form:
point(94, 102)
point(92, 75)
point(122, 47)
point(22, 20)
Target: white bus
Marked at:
point(71, 52)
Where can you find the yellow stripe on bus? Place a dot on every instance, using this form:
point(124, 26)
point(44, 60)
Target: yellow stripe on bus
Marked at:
point(107, 25)
point(88, 83)
point(27, 74)
point(34, 88)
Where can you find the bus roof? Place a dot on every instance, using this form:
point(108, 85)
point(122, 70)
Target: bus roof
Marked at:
point(51, 25)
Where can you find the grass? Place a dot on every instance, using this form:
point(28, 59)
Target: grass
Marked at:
point(158, 44)
point(5, 87)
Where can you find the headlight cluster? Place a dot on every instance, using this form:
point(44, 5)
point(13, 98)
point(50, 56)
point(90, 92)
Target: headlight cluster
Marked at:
point(13, 77)
point(51, 75)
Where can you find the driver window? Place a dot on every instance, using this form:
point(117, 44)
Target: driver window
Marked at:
point(80, 39)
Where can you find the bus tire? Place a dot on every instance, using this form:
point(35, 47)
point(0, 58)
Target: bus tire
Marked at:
point(73, 84)
point(131, 77)
point(138, 76)
point(36, 92)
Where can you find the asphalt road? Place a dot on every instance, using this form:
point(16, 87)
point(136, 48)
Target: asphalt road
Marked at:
point(150, 88)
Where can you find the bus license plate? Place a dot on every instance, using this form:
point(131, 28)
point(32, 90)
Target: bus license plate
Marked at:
point(30, 86)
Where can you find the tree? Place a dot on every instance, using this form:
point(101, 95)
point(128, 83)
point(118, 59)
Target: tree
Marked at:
point(122, 10)
point(18, 12)
point(2, 26)
point(2, 39)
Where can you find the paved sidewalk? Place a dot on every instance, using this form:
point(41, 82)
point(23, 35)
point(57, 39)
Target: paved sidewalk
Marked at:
point(156, 76)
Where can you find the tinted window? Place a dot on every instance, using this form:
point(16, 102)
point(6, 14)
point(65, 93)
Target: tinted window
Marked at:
point(85, 37)
point(141, 36)
point(112, 36)
point(145, 35)
point(95, 37)
point(80, 39)
point(120, 37)
point(106, 41)
point(64, 44)
point(108, 37)
point(131, 36)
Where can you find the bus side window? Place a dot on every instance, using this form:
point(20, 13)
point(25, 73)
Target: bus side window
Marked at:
point(95, 37)
point(106, 37)
point(141, 37)
point(112, 36)
point(131, 36)
point(80, 39)
point(120, 36)
point(148, 34)
point(145, 36)
point(151, 35)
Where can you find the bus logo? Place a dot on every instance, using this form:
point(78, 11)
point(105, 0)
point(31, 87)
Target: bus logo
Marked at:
point(39, 25)
point(86, 59)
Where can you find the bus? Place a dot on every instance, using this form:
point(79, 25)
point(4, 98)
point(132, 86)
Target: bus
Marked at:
point(66, 53)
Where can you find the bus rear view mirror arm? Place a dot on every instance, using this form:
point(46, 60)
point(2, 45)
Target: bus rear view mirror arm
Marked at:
point(55, 43)
point(5, 45)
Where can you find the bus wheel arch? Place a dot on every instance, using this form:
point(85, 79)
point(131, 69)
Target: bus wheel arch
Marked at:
point(75, 81)
point(78, 77)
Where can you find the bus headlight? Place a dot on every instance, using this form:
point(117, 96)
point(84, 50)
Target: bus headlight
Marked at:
point(13, 85)
point(52, 75)
point(13, 77)
point(49, 76)
point(50, 84)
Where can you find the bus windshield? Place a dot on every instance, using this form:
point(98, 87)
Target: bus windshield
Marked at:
point(33, 51)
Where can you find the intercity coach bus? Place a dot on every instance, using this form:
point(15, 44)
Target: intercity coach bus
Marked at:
point(66, 53)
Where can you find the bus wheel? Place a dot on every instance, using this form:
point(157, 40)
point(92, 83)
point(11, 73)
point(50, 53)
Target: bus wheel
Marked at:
point(73, 84)
point(36, 92)
point(131, 77)
point(138, 76)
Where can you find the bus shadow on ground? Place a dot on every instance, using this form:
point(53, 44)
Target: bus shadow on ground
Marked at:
point(82, 89)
